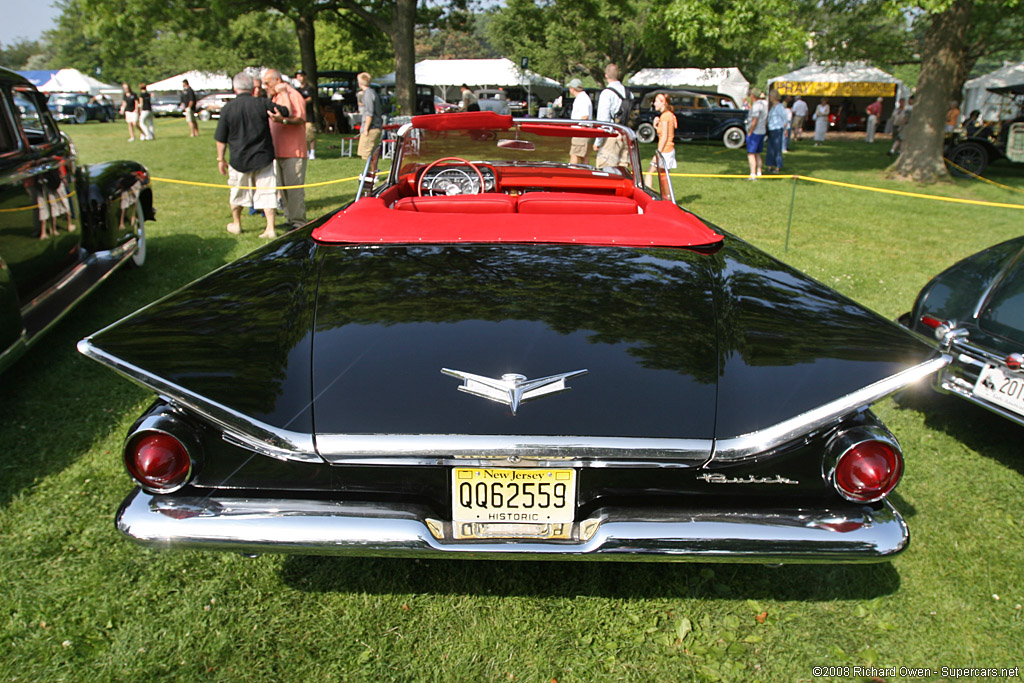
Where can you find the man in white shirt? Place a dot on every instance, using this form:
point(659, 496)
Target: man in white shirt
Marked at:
point(583, 110)
point(799, 116)
point(611, 151)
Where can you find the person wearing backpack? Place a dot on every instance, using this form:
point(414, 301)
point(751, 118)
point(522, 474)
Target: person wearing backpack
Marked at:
point(613, 105)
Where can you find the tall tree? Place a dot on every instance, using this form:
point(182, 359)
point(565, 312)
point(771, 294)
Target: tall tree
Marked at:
point(17, 54)
point(396, 19)
point(741, 33)
point(568, 37)
point(941, 53)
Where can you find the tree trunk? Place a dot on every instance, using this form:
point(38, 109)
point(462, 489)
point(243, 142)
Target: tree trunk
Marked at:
point(921, 157)
point(402, 34)
point(306, 29)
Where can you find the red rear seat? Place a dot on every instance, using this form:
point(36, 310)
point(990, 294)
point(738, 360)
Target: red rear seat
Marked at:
point(575, 203)
point(474, 203)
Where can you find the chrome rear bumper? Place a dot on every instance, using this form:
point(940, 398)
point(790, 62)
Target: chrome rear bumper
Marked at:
point(853, 534)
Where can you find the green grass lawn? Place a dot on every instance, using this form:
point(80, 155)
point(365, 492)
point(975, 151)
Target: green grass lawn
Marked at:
point(79, 602)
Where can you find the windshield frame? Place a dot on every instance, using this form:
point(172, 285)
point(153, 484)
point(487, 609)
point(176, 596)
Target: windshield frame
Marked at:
point(398, 162)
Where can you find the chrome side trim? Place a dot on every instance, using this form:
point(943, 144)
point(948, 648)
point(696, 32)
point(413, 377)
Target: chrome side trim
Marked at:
point(117, 256)
point(847, 534)
point(740, 447)
point(467, 450)
point(238, 428)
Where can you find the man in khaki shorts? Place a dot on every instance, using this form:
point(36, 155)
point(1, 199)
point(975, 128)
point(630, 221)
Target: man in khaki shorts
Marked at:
point(611, 152)
point(373, 118)
point(244, 131)
point(582, 109)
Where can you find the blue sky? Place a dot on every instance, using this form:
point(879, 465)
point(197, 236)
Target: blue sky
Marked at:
point(25, 19)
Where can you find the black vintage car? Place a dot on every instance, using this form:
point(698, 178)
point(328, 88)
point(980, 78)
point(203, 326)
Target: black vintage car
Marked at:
point(493, 353)
point(975, 310)
point(700, 115)
point(63, 227)
point(79, 108)
point(972, 150)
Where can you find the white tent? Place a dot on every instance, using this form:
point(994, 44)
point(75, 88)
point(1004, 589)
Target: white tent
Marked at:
point(729, 81)
point(854, 79)
point(198, 80)
point(447, 73)
point(73, 80)
point(976, 95)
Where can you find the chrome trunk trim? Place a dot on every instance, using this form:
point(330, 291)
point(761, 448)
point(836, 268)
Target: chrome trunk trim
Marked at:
point(238, 428)
point(747, 445)
point(540, 451)
point(848, 534)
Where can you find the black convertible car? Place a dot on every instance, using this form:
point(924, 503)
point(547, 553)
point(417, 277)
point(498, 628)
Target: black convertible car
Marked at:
point(493, 353)
point(975, 309)
point(64, 228)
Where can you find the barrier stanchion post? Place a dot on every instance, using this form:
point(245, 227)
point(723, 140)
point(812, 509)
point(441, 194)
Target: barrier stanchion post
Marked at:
point(792, 200)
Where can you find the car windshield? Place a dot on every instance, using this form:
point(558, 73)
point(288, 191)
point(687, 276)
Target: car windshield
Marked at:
point(63, 99)
point(525, 144)
point(1005, 310)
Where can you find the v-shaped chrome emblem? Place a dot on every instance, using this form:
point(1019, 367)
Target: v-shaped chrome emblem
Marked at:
point(512, 389)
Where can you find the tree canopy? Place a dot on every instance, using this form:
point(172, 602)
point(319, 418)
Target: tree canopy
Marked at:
point(139, 40)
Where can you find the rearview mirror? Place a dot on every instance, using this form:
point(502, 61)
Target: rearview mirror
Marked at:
point(524, 145)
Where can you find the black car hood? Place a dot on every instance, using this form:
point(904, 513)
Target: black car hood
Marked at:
point(299, 338)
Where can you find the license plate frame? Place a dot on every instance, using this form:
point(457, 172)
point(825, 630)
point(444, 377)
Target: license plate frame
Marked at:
point(1006, 389)
point(497, 495)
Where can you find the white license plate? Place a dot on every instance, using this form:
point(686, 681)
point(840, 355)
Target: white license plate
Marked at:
point(1002, 388)
point(520, 496)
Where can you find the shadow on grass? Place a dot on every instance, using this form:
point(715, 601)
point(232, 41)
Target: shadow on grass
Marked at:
point(983, 432)
point(611, 579)
point(57, 404)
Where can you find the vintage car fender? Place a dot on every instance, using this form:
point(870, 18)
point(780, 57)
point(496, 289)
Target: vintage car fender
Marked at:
point(107, 190)
point(943, 298)
point(12, 332)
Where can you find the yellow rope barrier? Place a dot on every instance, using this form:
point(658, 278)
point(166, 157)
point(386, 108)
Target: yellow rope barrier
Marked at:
point(983, 179)
point(228, 187)
point(30, 207)
point(866, 188)
point(836, 183)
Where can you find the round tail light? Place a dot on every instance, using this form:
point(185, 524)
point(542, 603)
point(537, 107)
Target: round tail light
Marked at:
point(868, 466)
point(158, 461)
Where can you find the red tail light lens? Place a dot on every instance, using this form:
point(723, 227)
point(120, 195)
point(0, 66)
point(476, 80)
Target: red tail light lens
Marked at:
point(158, 461)
point(868, 471)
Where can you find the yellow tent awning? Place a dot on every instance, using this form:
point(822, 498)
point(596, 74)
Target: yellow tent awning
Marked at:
point(825, 89)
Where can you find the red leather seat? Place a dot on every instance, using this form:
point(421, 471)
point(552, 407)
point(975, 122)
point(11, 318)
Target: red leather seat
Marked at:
point(575, 203)
point(470, 203)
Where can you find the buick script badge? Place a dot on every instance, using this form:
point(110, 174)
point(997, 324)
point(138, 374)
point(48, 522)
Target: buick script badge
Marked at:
point(512, 389)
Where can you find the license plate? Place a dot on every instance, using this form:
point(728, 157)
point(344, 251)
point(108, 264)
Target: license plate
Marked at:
point(1002, 388)
point(521, 496)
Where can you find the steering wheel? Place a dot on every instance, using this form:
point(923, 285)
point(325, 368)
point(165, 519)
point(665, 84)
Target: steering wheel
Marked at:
point(419, 185)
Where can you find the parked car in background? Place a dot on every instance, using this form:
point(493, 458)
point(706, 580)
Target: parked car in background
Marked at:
point(491, 99)
point(79, 108)
point(1001, 139)
point(167, 104)
point(442, 107)
point(854, 121)
point(975, 311)
point(452, 366)
point(700, 116)
point(64, 228)
point(209, 106)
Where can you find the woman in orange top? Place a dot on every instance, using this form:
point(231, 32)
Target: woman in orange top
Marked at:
point(665, 124)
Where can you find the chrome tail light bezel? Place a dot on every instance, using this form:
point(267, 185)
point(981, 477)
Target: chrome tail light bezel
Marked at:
point(844, 443)
point(170, 424)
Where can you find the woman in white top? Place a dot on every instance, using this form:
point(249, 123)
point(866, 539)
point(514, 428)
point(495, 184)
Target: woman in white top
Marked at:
point(821, 113)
